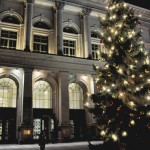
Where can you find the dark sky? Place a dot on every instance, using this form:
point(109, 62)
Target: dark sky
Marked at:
point(141, 3)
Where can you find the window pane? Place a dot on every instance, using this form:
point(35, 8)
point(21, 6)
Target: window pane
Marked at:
point(69, 47)
point(75, 96)
point(7, 90)
point(8, 39)
point(42, 95)
point(40, 43)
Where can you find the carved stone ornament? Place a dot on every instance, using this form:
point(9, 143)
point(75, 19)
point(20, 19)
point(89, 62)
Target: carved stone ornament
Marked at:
point(86, 11)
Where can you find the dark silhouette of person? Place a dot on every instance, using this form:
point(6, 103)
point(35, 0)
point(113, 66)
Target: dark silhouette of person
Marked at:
point(42, 140)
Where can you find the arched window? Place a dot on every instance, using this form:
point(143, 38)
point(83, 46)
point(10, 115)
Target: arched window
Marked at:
point(75, 96)
point(42, 95)
point(69, 30)
point(95, 35)
point(8, 92)
point(41, 25)
point(40, 41)
point(11, 19)
point(69, 45)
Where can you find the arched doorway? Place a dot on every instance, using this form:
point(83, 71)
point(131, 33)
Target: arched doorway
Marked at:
point(77, 112)
point(42, 109)
point(8, 95)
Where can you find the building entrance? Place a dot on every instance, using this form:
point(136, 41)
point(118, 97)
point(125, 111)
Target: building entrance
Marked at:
point(7, 125)
point(42, 121)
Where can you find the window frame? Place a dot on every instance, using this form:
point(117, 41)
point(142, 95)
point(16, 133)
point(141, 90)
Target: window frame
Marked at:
point(13, 28)
point(96, 41)
point(40, 32)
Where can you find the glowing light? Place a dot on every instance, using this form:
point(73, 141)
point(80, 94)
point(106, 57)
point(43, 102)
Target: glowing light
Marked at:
point(132, 122)
point(113, 85)
point(109, 38)
point(102, 133)
point(131, 104)
point(121, 94)
point(112, 48)
point(104, 88)
point(124, 133)
point(140, 75)
point(114, 137)
point(125, 82)
point(122, 39)
point(108, 90)
point(148, 98)
point(124, 16)
point(125, 5)
point(120, 70)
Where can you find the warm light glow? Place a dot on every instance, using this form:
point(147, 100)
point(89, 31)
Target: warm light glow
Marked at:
point(102, 133)
point(114, 137)
point(124, 133)
point(148, 98)
point(132, 122)
point(125, 82)
point(109, 38)
point(26, 132)
point(131, 104)
point(113, 85)
point(121, 94)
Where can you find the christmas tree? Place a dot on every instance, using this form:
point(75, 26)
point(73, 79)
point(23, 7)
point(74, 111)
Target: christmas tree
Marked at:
point(121, 107)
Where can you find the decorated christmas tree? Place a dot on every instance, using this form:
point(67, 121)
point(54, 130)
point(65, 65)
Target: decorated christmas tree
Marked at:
point(121, 106)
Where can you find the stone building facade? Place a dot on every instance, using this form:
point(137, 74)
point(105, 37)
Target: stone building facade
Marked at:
point(47, 52)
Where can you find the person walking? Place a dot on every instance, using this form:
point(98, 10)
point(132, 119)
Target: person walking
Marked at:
point(42, 140)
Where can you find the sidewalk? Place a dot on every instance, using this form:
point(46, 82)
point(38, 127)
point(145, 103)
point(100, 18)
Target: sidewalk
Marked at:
point(36, 146)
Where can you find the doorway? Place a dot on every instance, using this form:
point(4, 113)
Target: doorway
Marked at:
point(7, 125)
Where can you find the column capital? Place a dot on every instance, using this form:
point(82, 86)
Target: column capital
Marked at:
point(59, 5)
point(30, 1)
point(86, 11)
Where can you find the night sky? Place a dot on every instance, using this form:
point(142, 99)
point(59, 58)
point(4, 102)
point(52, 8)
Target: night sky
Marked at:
point(141, 3)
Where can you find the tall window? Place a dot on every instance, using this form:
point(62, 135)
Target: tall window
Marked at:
point(8, 93)
point(97, 47)
point(69, 43)
point(40, 44)
point(75, 96)
point(8, 39)
point(69, 47)
point(42, 95)
point(40, 37)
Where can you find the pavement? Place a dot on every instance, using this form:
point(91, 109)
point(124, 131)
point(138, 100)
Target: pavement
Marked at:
point(58, 146)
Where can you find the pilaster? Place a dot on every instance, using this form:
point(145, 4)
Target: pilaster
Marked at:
point(64, 125)
point(26, 127)
point(59, 26)
point(28, 24)
point(86, 32)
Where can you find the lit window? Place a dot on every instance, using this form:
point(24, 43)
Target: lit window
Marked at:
point(40, 44)
point(8, 39)
point(42, 95)
point(8, 93)
point(69, 47)
point(97, 47)
point(75, 96)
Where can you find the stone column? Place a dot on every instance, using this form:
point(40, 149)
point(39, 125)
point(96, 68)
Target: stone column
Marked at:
point(59, 27)
point(87, 33)
point(64, 125)
point(28, 24)
point(26, 128)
